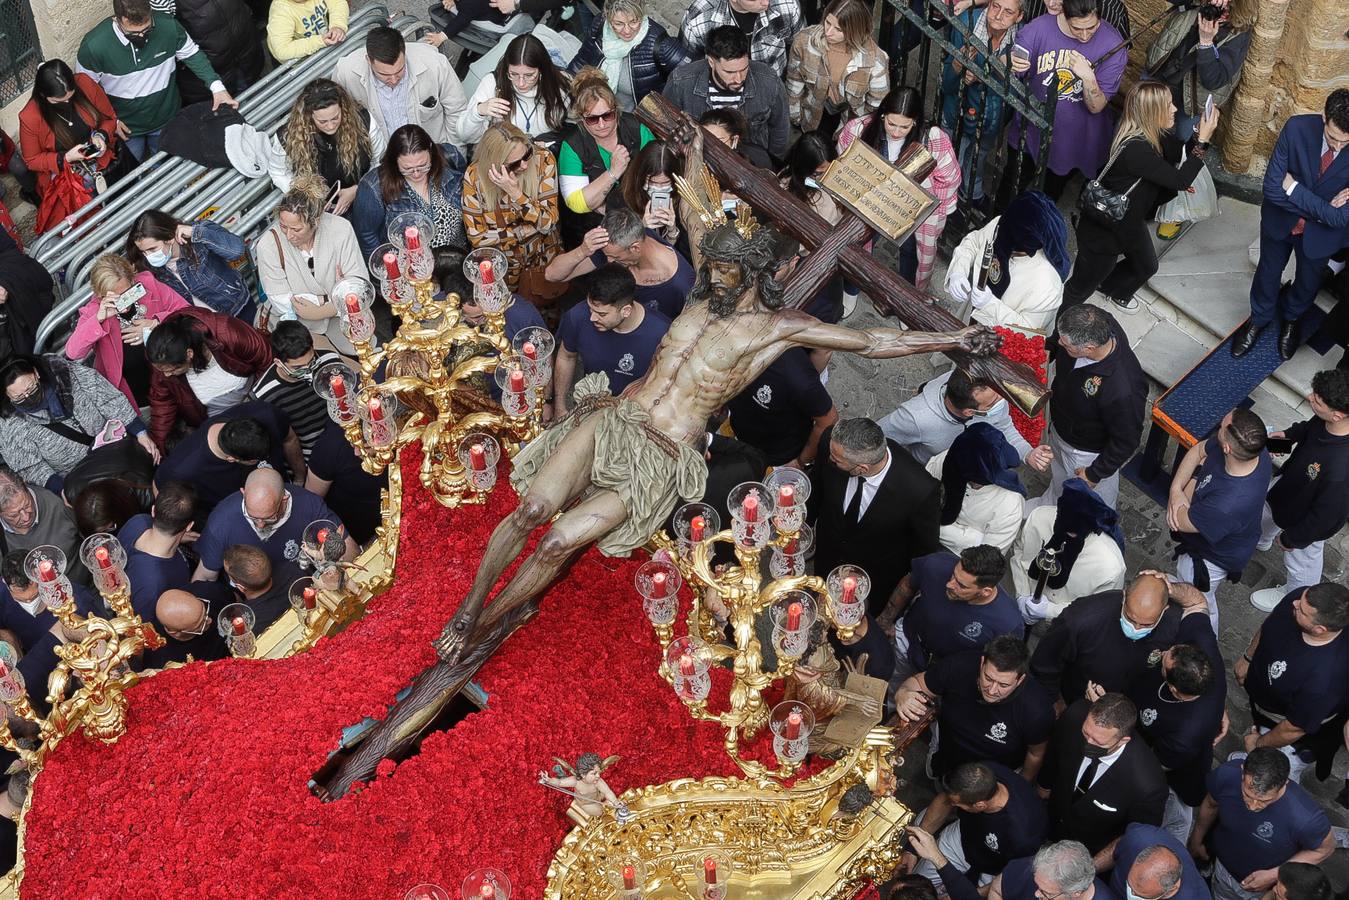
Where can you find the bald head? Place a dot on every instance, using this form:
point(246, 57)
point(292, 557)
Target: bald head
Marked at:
point(1155, 873)
point(1146, 600)
point(181, 613)
point(264, 496)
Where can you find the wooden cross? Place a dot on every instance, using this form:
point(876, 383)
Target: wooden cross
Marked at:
point(841, 248)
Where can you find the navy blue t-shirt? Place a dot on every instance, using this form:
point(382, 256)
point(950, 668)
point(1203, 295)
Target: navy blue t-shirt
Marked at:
point(875, 645)
point(214, 478)
point(937, 626)
point(228, 526)
point(1289, 677)
point(1246, 841)
point(1018, 882)
point(1178, 731)
point(354, 492)
point(1226, 510)
point(30, 629)
point(666, 298)
point(972, 729)
point(624, 356)
point(1138, 837)
point(776, 411)
point(150, 575)
point(991, 840)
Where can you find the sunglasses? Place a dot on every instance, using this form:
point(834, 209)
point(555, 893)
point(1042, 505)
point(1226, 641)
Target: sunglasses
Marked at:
point(599, 118)
point(520, 164)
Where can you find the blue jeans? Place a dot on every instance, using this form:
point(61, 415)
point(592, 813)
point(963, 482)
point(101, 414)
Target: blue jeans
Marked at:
point(143, 146)
point(1185, 126)
point(972, 159)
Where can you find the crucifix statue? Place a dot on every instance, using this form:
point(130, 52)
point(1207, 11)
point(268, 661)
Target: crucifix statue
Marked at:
point(615, 467)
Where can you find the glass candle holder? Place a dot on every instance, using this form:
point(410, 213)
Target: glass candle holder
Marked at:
point(792, 614)
point(791, 723)
point(324, 543)
point(658, 582)
point(236, 624)
point(304, 595)
point(412, 233)
point(713, 873)
point(379, 410)
point(751, 506)
point(486, 884)
point(534, 348)
point(479, 454)
point(847, 587)
point(694, 523)
point(353, 297)
point(486, 270)
point(687, 659)
point(790, 559)
point(12, 685)
point(388, 266)
point(337, 384)
point(427, 891)
point(627, 876)
point(46, 567)
point(517, 394)
point(105, 558)
point(790, 489)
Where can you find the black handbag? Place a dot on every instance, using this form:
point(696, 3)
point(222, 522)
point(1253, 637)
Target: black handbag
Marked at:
point(1102, 205)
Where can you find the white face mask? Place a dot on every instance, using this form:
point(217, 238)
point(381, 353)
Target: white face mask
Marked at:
point(158, 258)
point(812, 183)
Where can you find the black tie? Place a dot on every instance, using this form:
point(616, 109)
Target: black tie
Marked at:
point(1088, 776)
point(853, 513)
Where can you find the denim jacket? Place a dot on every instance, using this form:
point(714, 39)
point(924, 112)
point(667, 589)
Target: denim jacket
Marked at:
point(977, 96)
point(370, 214)
point(211, 279)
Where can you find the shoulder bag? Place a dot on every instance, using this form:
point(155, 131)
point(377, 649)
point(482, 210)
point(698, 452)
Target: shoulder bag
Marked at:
point(1102, 205)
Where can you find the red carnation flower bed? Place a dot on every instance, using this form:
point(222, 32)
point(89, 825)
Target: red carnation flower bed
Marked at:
point(1029, 350)
point(206, 794)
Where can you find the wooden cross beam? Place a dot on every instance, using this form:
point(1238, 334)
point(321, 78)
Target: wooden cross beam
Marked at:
point(842, 248)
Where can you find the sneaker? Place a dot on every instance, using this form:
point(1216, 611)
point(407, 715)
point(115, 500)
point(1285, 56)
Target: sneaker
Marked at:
point(1168, 231)
point(1129, 305)
point(1265, 545)
point(1267, 599)
point(849, 302)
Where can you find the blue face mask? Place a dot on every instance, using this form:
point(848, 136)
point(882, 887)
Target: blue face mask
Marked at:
point(157, 259)
point(1133, 632)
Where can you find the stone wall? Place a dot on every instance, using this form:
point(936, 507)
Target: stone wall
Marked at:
point(1299, 54)
point(61, 25)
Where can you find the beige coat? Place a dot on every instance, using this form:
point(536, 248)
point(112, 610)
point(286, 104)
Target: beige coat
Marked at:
point(866, 79)
point(284, 272)
point(435, 99)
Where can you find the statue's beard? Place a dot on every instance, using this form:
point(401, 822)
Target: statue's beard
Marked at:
point(721, 300)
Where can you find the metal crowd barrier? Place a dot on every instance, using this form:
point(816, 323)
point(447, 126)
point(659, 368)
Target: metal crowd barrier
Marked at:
point(186, 189)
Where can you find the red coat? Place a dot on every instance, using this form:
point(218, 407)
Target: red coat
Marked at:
point(37, 141)
point(239, 348)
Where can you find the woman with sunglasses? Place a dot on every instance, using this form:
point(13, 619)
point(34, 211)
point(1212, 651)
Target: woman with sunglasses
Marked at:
point(510, 203)
point(303, 257)
point(526, 90)
point(116, 323)
point(634, 52)
point(415, 175)
point(193, 259)
point(595, 153)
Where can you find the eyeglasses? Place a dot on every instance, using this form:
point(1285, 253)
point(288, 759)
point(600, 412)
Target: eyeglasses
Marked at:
point(523, 77)
point(29, 394)
point(414, 170)
point(520, 164)
point(598, 118)
point(305, 372)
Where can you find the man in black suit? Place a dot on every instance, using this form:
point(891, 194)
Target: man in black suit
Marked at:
point(872, 505)
point(1098, 778)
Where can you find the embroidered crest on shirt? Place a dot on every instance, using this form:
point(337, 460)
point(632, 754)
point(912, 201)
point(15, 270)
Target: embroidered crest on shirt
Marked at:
point(1313, 471)
point(1265, 830)
point(991, 841)
point(292, 550)
point(1203, 483)
point(995, 271)
point(626, 364)
point(973, 630)
point(1277, 668)
point(998, 732)
point(764, 395)
point(1092, 386)
point(1148, 716)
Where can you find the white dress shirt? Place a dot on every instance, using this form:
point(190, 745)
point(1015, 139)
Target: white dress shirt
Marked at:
point(1106, 762)
point(870, 485)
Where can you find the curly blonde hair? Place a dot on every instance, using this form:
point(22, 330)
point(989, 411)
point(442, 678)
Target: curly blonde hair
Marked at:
point(306, 198)
point(353, 139)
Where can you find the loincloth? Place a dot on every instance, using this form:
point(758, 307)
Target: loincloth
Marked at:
point(646, 469)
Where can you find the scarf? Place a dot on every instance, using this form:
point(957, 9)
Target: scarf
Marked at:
point(1032, 222)
point(616, 51)
point(1081, 513)
point(979, 455)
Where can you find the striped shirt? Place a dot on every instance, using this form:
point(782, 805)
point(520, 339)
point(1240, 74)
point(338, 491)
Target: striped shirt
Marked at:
point(720, 98)
point(307, 411)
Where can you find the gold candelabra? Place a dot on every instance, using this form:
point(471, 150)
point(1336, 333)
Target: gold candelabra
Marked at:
point(433, 369)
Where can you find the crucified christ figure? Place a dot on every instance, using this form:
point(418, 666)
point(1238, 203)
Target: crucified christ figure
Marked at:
point(616, 466)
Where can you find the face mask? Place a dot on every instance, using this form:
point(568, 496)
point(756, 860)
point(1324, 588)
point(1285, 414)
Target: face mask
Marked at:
point(35, 402)
point(139, 40)
point(812, 183)
point(1132, 632)
point(157, 259)
point(1091, 751)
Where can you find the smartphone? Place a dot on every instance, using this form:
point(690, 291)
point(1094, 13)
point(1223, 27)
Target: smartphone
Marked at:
point(660, 197)
point(1208, 107)
point(332, 196)
point(1279, 445)
point(127, 302)
point(1021, 53)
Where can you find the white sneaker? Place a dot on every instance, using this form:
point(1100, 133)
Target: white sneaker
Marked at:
point(1129, 306)
point(1266, 600)
point(849, 302)
point(1265, 545)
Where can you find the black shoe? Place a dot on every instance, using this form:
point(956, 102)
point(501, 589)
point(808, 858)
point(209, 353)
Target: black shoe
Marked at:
point(1290, 337)
point(1245, 338)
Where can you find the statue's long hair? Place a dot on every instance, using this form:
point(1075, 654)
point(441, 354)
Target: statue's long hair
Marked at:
point(754, 256)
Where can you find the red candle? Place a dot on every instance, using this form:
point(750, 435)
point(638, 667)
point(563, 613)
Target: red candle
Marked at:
point(4, 670)
point(709, 871)
point(485, 272)
point(749, 508)
point(391, 265)
point(696, 528)
point(793, 616)
point(786, 495)
point(353, 305)
point(658, 584)
point(793, 729)
point(338, 385)
point(487, 891)
point(629, 878)
point(104, 560)
point(46, 571)
point(517, 381)
point(791, 547)
point(376, 408)
point(322, 536)
point(413, 239)
point(240, 626)
point(477, 458)
point(686, 667)
point(311, 597)
point(849, 589)
point(530, 351)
